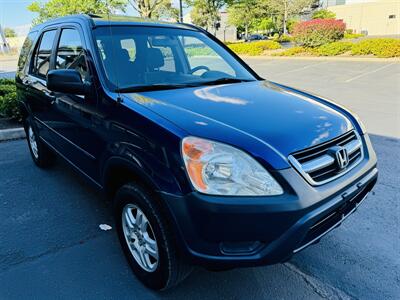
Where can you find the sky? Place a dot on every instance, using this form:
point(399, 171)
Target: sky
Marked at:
point(14, 14)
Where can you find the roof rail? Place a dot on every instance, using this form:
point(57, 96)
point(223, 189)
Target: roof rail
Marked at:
point(94, 15)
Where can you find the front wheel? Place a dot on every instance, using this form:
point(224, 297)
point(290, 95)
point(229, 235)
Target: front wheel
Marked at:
point(146, 239)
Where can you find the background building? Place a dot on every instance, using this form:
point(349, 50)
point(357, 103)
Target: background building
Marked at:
point(372, 17)
point(225, 32)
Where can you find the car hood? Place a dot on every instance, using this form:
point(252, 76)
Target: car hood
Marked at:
point(285, 120)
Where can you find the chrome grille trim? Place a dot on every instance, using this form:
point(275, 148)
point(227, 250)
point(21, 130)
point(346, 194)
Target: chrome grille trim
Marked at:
point(351, 141)
point(318, 163)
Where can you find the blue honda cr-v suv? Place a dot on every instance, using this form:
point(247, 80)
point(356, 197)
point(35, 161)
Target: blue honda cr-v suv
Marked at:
point(207, 163)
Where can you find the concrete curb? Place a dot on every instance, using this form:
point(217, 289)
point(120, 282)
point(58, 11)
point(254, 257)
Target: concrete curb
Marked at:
point(12, 134)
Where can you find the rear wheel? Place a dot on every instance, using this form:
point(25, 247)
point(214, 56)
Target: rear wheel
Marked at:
point(146, 239)
point(41, 154)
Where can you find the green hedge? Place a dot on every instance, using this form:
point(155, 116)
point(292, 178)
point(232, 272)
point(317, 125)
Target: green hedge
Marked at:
point(381, 47)
point(281, 39)
point(333, 49)
point(254, 48)
point(9, 107)
point(348, 35)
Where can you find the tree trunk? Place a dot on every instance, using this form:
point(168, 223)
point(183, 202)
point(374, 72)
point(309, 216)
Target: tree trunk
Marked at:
point(285, 15)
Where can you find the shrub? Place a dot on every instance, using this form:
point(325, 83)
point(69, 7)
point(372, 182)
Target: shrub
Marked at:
point(290, 24)
point(254, 48)
point(334, 48)
point(318, 32)
point(8, 99)
point(282, 39)
point(381, 47)
point(267, 45)
point(348, 35)
point(291, 51)
point(323, 14)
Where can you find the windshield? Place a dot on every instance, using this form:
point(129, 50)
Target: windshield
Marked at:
point(146, 58)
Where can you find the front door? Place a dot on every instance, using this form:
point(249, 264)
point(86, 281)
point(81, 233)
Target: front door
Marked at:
point(78, 116)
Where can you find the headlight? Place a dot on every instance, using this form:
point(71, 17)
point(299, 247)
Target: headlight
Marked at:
point(218, 169)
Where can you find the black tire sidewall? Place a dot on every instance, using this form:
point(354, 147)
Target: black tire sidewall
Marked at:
point(45, 155)
point(132, 194)
point(29, 124)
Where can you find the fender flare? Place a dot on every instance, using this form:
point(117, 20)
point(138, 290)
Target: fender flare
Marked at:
point(129, 165)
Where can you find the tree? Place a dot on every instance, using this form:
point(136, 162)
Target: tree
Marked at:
point(284, 9)
point(205, 13)
point(265, 24)
point(323, 14)
point(243, 13)
point(154, 8)
point(9, 32)
point(59, 8)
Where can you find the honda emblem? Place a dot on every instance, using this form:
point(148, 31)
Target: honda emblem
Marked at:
point(342, 158)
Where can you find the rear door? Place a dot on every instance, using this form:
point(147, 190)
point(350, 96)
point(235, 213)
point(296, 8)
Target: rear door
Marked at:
point(38, 97)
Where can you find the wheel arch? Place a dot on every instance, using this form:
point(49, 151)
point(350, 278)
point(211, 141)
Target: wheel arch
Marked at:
point(118, 171)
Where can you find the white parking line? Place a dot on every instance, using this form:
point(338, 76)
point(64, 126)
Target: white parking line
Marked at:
point(370, 72)
point(302, 68)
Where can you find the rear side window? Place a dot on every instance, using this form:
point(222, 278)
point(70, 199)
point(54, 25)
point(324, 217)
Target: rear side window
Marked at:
point(26, 48)
point(70, 52)
point(42, 55)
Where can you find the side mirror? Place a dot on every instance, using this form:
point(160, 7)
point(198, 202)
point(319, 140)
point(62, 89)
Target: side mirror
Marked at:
point(66, 81)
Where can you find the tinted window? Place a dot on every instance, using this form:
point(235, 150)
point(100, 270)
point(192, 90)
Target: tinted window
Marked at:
point(197, 52)
point(168, 57)
point(70, 53)
point(145, 56)
point(43, 52)
point(26, 48)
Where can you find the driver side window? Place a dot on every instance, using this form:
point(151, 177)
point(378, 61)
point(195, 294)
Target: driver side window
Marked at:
point(199, 54)
point(70, 53)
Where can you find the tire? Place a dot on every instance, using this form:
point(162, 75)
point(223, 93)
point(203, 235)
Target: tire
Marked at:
point(168, 269)
point(41, 154)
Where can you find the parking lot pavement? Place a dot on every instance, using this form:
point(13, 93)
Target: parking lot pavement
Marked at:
point(51, 245)
point(369, 88)
point(8, 66)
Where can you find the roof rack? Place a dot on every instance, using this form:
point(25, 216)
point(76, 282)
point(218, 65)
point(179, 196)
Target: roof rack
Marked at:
point(94, 15)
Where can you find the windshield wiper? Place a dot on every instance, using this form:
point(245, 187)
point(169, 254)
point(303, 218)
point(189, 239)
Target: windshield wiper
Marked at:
point(151, 87)
point(158, 87)
point(225, 80)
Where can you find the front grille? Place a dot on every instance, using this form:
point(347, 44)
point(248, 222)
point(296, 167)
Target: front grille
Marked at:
point(319, 164)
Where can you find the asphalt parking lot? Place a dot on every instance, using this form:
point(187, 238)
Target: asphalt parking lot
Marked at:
point(369, 88)
point(51, 246)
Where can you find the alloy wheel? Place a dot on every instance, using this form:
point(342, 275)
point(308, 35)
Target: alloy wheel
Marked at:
point(140, 237)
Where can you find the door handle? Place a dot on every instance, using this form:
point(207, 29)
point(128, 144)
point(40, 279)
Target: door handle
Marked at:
point(49, 93)
point(26, 82)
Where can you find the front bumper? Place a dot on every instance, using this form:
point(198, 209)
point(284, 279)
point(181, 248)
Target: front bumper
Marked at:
point(225, 232)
